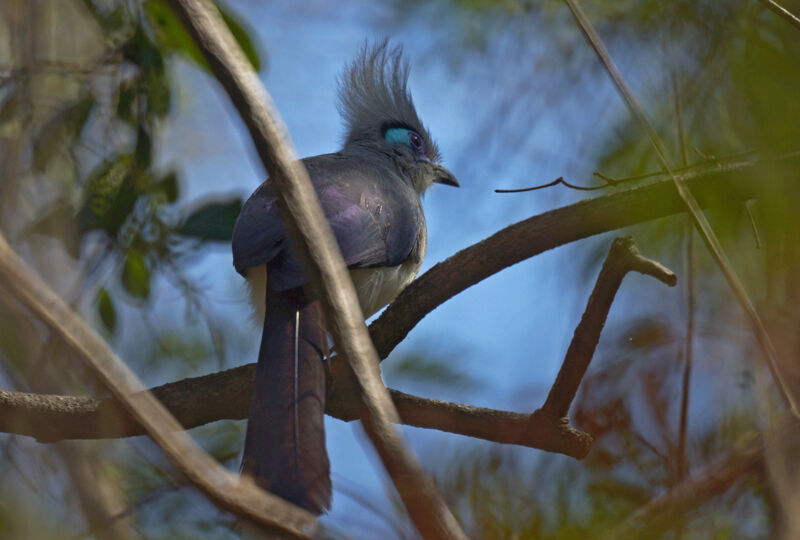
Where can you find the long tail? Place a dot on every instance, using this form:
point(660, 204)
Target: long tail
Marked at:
point(284, 449)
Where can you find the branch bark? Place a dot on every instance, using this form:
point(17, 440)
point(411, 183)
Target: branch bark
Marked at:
point(556, 228)
point(226, 395)
point(622, 258)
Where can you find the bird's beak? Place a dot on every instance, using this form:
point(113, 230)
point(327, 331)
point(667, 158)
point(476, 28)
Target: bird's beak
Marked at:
point(443, 176)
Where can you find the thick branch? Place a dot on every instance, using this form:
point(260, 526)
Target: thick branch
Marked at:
point(556, 228)
point(306, 220)
point(226, 395)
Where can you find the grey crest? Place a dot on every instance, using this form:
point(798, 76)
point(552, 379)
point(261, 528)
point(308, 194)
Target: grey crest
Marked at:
point(373, 95)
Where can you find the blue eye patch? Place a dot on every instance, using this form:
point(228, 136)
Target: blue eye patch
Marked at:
point(397, 135)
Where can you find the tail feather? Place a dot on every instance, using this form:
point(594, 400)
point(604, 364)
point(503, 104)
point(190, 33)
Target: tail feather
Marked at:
point(285, 442)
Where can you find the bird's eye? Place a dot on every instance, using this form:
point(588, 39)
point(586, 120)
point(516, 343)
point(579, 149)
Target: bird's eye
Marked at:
point(415, 140)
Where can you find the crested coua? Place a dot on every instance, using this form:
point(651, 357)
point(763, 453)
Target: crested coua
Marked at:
point(370, 192)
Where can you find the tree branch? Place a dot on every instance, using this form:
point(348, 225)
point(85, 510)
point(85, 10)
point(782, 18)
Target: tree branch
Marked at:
point(793, 19)
point(306, 221)
point(717, 478)
point(226, 395)
point(623, 257)
point(555, 228)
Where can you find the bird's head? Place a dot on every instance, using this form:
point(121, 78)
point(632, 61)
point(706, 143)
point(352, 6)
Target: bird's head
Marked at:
point(380, 116)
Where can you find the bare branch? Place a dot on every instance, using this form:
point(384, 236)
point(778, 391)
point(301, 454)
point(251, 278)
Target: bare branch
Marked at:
point(226, 395)
point(557, 227)
point(622, 258)
point(222, 487)
point(311, 232)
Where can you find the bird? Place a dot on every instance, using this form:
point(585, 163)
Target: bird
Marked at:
point(370, 192)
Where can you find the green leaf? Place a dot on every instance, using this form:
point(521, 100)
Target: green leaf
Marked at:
point(136, 275)
point(170, 33)
point(153, 82)
point(107, 197)
point(212, 221)
point(105, 308)
point(167, 186)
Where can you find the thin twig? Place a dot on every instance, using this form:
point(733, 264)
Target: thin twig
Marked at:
point(313, 236)
point(700, 221)
point(688, 350)
point(557, 181)
point(783, 12)
point(610, 181)
point(706, 160)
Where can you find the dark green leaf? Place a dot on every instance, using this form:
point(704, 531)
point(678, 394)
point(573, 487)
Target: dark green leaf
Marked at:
point(153, 83)
point(108, 200)
point(125, 102)
point(168, 187)
point(170, 33)
point(213, 221)
point(105, 308)
point(136, 275)
point(144, 148)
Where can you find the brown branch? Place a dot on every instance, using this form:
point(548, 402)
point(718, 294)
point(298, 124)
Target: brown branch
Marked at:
point(623, 257)
point(226, 395)
point(552, 229)
point(700, 221)
point(312, 234)
point(221, 487)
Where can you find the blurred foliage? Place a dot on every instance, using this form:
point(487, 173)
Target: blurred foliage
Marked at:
point(120, 202)
point(81, 116)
